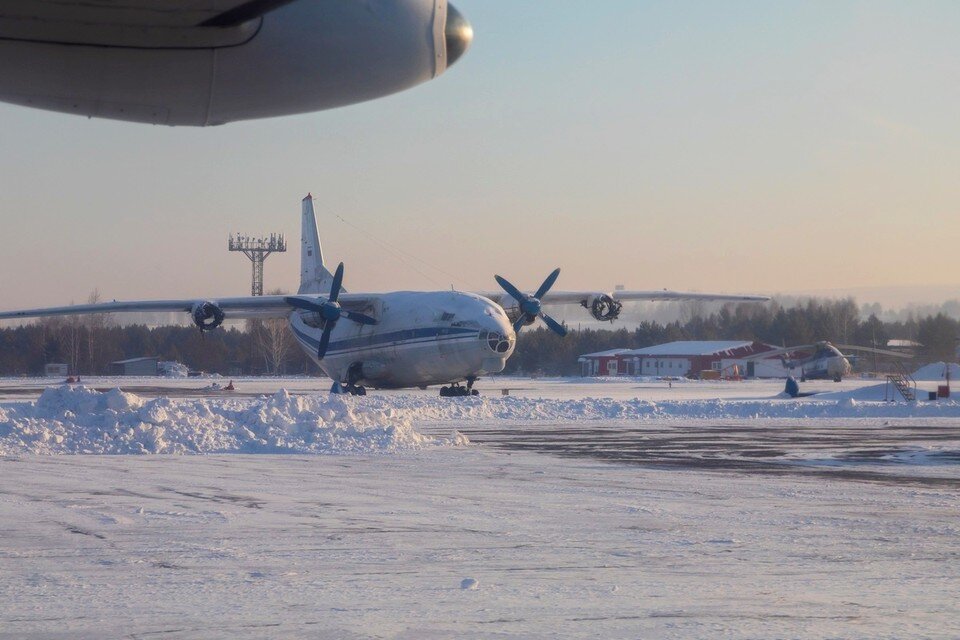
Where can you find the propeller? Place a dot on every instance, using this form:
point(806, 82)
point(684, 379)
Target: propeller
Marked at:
point(530, 306)
point(883, 352)
point(330, 311)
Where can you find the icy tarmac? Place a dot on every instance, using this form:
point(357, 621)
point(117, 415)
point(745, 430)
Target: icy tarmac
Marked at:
point(675, 515)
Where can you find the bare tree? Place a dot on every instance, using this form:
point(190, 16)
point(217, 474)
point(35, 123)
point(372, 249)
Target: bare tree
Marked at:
point(273, 340)
point(71, 339)
point(691, 310)
point(96, 325)
point(844, 316)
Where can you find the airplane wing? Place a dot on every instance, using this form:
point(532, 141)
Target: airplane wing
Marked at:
point(241, 308)
point(569, 297)
point(579, 297)
point(141, 13)
point(607, 305)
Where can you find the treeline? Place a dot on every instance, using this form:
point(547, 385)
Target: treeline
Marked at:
point(89, 344)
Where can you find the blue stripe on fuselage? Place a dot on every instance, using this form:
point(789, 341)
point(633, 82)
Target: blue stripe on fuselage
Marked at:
point(406, 336)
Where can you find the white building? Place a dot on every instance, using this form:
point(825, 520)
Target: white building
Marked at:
point(56, 370)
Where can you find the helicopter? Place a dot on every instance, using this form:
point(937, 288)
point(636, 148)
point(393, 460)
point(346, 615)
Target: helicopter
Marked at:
point(826, 362)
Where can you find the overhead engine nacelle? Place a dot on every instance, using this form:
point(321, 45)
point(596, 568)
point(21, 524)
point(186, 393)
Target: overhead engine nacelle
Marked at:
point(603, 307)
point(206, 315)
point(311, 319)
point(513, 313)
point(144, 62)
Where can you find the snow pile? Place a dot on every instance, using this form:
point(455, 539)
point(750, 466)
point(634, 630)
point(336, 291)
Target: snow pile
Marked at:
point(937, 371)
point(171, 369)
point(80, 420)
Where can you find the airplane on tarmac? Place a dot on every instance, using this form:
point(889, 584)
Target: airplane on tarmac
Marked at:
point(187, 62)
point(399, 339)
point(826, 362)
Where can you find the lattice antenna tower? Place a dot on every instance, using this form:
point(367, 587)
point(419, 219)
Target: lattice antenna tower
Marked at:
point(257, 249)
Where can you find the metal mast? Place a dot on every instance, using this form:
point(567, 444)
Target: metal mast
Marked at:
point(257, 249)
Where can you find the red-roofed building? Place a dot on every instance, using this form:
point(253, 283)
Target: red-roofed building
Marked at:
point(685, 359)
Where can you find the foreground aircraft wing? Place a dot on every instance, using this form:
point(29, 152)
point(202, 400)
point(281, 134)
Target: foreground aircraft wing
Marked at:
point(242, 308)
point(236, 308)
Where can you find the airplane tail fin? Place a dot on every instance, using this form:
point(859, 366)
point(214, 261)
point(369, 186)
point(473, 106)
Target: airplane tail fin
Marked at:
point(314, 276)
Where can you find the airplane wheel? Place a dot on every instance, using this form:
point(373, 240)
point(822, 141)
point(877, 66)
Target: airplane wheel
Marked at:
point(360, 391)
point(474, 392)
point(444, 392)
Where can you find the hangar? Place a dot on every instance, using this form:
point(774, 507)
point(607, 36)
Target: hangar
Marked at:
point(685, 358)
point(146, 366)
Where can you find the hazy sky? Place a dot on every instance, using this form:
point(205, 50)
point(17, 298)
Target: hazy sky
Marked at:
point(737, 146)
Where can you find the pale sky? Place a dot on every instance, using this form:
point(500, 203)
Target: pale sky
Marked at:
point(756, 147)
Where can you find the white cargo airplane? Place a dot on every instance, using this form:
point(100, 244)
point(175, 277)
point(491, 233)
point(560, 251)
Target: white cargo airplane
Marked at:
point(193, 62)
point(398, 339)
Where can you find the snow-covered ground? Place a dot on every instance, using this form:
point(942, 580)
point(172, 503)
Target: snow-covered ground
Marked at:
point(568, 508)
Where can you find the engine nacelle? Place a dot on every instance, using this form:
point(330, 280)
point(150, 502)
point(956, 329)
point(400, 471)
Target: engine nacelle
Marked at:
point(304, 56)
point(312, 319)
point(207, 316)
point(603, 307)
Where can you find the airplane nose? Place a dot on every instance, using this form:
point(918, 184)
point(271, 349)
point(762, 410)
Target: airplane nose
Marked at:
point(458, 34)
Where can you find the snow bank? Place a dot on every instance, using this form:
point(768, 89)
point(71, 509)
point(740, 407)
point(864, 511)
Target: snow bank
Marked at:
point(852, 404)
point(631, 379)
point(80, 420)
point(937, 371)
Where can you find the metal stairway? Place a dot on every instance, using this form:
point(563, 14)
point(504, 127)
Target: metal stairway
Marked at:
point(902, 382)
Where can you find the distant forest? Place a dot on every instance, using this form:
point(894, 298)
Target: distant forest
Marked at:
point(89, 344)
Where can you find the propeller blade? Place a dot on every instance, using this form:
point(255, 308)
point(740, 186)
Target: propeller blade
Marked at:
point(337, 281)
point(510, 289)
point(304, 303)
point(360, 318)
point(325, 340)
point(883, 352)
point(519, 323)
point(553, 324)
point(547, 284)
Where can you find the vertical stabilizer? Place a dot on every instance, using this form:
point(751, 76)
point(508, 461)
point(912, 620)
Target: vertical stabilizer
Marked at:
point(314, 277)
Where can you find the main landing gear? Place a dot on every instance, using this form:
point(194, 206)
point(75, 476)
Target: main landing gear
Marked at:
point(456, 391)
point(352, 389)
point(354, 375)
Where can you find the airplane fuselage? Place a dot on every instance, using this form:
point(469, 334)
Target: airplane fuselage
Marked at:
point(421, 339)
